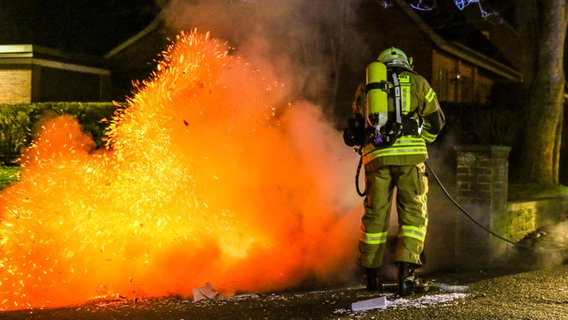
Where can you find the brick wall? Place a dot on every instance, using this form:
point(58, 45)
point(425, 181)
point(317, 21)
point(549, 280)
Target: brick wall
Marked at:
point(15, 86)
point(482, 190)
point(520, 220)
point(482, 181)
point(524, 217)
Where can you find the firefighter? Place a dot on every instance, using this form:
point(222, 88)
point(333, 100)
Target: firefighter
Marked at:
point(393, 155)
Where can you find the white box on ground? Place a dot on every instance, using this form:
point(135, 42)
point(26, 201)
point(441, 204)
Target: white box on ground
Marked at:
point(375, 303)
point(205, 292)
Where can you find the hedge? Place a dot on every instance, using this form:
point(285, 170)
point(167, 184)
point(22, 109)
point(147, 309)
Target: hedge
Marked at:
point(17, 121)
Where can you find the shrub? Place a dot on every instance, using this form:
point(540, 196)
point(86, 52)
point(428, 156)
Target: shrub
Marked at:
point(17, 121)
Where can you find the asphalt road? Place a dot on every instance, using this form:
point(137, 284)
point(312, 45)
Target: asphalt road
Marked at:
point(540, 294)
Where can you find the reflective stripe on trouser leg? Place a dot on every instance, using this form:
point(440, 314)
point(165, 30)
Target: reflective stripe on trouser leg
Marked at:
point(412, 187)
point(371, 249)
point(373, 238)
point(375, 221)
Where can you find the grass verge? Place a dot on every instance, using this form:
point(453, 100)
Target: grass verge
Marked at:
point(8, 175)
point(527, 192)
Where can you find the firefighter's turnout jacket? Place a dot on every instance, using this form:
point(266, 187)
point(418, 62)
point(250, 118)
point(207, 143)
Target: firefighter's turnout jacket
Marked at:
point(400, 165)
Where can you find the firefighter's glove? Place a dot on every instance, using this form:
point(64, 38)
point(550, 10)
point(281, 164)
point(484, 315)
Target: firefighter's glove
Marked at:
point(410, 127)
point(354, 133)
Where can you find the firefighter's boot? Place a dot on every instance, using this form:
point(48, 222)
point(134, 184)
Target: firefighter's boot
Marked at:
point(408, 282)
point(373, 279)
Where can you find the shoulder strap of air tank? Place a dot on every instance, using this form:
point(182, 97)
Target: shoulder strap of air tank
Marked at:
point(397, 106)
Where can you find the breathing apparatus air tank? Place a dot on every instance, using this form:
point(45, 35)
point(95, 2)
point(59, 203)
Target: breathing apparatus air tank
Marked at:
point(376, 109)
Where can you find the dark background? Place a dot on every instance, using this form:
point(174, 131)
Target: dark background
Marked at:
point(97, 26)
point(76, 26)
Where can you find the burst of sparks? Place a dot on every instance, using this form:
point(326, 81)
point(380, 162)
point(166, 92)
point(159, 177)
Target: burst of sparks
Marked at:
point(75, 214)
point(184, 194)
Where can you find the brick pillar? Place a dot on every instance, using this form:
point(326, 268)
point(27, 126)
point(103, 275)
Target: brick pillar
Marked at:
point(482, 180)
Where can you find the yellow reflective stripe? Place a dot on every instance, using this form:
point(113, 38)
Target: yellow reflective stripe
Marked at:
point(402, 146)
point(404, 141)
point(404, 81)
point(428, 136)
point(430, 95)
point(405, 98)
point(398, 152)
point(408, 140)
point(412, 232)
point(373, 238)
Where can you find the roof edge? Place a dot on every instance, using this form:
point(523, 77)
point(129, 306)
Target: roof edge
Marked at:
point(460, 50)
point(27, 50)
point(155, 24)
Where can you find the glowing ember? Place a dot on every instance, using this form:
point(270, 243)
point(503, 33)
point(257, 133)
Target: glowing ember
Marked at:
point(210, 176)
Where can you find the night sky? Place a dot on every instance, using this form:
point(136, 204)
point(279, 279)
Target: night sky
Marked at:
point(81, 26)
point(97, 26)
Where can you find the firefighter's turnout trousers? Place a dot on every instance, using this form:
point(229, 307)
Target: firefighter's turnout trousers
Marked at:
point(411, 188)
point(399, 165)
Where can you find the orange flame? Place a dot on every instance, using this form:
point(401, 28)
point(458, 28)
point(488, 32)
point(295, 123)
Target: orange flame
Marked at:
point(207, 178)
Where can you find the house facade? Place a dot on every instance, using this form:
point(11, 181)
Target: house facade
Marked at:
point(457, 73)
point(30, 73)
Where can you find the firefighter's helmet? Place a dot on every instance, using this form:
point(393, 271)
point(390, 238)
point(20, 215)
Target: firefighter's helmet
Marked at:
point(394, 57)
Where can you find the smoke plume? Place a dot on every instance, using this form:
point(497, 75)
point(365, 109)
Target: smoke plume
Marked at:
point(218, 170)
point(300, 42)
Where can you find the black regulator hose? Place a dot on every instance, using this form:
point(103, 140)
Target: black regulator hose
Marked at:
point(468, 215)
point(359, 192)
point(455, 203)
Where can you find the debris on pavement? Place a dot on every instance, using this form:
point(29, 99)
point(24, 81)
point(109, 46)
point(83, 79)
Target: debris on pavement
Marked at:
point(205, 292)
point(449, 287)
point(375, 303)
point(445, 299)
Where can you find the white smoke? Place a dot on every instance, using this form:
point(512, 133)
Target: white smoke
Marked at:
point(550, 246)
point(301, 41)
